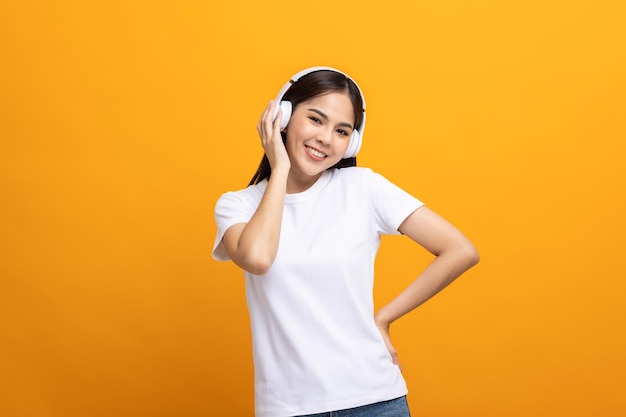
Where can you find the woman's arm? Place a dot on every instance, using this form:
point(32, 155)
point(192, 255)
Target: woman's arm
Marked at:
point(253, 245)
point(454, 253)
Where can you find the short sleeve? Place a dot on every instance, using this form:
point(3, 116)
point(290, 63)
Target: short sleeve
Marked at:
point(391, 205)
point(230, 209)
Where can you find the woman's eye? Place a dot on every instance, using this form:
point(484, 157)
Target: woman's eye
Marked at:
point(342, 132)
point(315, 119)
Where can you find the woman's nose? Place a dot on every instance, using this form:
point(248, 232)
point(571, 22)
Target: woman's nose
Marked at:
point(325, 136)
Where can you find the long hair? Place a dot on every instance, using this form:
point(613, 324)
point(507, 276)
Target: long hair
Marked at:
point(310, 86)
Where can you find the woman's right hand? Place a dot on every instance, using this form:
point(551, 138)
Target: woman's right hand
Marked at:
point(271, 139)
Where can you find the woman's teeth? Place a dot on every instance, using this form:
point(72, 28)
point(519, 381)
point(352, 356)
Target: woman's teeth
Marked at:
point(315, 153)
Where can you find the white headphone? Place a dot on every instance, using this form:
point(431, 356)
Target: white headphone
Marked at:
point(286, 107)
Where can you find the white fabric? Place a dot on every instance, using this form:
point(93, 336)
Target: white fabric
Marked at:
point(315, 344)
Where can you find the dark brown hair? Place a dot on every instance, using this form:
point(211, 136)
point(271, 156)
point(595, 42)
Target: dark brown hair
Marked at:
point(310, 86)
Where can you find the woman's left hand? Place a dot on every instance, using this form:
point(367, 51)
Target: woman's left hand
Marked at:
point(384, 332)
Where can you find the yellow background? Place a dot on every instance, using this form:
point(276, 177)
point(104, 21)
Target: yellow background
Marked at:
point(121, 122)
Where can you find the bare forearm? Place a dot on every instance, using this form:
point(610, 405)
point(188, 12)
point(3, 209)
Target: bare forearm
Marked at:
point(444, 269)
point(257, 245)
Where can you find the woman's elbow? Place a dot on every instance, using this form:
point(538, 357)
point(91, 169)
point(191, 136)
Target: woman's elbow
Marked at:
point(255, 265)
point(258, 269)
point(470, 255)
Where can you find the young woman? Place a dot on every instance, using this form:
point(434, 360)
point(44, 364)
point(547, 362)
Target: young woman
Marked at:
point(306, 232)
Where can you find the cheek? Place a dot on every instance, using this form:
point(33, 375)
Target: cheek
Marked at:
point(293, 131)
point(289, 141)
point(296, 125)
point(345, 142)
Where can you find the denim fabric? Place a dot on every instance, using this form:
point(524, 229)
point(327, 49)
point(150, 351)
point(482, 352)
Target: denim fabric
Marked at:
point(391, 408)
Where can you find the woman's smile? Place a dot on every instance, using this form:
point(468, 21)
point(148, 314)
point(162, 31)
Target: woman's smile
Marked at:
point(317, 154)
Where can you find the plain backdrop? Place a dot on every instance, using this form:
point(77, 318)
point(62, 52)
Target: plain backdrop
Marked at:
point(121, 123)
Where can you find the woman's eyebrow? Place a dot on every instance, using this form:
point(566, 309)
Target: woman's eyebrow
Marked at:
point(323, 115)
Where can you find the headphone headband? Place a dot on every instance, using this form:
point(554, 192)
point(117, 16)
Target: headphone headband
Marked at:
point(286, 107)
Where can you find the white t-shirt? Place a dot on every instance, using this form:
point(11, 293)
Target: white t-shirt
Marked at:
point(316, 347)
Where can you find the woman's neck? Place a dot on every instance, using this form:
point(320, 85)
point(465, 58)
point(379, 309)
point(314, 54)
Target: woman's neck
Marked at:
point(299, 183)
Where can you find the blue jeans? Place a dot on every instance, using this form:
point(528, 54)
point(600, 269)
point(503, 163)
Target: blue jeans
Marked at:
point(391, 408)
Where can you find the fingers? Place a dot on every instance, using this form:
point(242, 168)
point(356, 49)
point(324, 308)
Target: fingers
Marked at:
point(394, 358)
point(268, 126)
point(267, 113)
point(384, 331)
point(393, 353)
point(271, 138)
point(267, 120)
point(278, 119)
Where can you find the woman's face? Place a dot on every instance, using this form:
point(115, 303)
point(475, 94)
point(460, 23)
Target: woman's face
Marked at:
point(318, 135)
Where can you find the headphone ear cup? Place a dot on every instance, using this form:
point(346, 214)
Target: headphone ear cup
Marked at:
point(354, 146)
point(286, 108)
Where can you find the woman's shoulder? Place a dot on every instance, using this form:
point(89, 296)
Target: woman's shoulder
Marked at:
point(250, 193)
point(364, 176)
